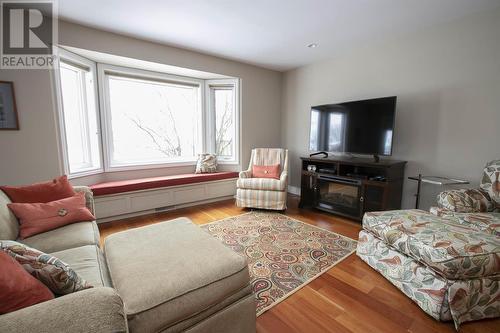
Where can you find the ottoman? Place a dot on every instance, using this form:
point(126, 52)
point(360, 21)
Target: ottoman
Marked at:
point(172, 277)
point(450, 269)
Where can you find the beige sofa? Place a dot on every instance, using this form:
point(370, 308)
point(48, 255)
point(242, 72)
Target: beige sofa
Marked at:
point(98, 309)
point(168, 277)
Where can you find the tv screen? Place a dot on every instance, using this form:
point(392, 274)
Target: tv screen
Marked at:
point(360, 127)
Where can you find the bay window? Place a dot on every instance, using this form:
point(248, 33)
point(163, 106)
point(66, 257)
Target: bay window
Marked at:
point(147, 119)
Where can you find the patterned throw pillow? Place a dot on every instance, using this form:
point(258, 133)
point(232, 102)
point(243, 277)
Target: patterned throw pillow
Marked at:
point(491, 182)
point(465, 201)
point(54, 273)
point(207, 163)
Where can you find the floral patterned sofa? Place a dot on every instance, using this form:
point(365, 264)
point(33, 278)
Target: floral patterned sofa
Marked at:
point(447, 260)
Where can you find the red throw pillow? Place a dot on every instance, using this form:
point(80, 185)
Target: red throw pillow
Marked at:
point(18, 289)
point(266, 171)
point(35, 218)
point(55, 189)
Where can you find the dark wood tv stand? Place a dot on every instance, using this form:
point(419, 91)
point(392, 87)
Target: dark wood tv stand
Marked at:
point(351, 186)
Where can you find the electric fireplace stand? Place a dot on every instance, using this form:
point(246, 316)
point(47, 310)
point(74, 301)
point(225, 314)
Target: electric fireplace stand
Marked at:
point(351, 186)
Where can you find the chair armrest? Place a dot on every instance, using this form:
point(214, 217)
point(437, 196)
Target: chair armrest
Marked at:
point(284, 177)
point(283, 181)
point(91, 310)
point(465, 201)
point(89, 196)
point(246, 174)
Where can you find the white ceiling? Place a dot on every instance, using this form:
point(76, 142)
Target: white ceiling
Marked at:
point(268, 33)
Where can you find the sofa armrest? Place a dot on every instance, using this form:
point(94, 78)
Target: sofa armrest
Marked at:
point(89, 196)
point(465, 201)
point(91, 310)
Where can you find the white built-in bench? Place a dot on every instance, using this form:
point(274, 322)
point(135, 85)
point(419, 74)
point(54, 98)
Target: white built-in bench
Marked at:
point(126, 198)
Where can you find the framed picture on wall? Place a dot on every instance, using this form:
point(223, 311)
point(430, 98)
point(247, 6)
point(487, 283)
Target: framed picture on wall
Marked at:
point(8, 111)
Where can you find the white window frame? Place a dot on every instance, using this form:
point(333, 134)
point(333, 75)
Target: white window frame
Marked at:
point(105, 69)
point(210, 111)
point(78, 61)
point(101, 89)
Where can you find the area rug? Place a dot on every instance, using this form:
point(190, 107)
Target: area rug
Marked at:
point(283, 254)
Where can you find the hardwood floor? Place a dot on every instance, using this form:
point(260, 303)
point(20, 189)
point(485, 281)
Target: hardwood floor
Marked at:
point(350, 297)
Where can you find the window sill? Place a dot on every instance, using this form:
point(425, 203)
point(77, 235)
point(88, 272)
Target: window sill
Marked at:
point(228, 162)
point(85, 174)
point(149, 166)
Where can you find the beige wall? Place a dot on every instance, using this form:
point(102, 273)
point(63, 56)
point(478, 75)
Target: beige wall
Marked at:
point(447, 80)
point(31, 154)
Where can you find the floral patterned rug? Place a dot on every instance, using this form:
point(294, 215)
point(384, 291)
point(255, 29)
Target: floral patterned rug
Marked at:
point(283, 254)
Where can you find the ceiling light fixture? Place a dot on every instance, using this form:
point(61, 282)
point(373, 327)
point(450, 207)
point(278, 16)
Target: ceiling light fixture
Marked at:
point(312, 45)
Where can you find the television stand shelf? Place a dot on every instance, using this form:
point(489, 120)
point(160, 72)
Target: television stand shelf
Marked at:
point(351, 186)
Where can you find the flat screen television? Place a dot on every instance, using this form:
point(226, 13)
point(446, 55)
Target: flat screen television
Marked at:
point(359, 127)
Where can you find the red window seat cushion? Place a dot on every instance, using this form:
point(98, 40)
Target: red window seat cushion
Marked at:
point(157, 182)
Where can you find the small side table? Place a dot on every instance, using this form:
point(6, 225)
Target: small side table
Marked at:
point(435, 180)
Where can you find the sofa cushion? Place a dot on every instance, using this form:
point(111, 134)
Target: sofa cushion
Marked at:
point(266, 184)
point(9, 227)
point(36, 218)
point(157, 182)
point(187, 270)
point(69, 236)
point(261, 199)
point(454, 250)
point(487, 222)
point(56, 274)
point(88, 261)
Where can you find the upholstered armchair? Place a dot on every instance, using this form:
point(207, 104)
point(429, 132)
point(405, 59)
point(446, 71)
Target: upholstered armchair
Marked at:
point(484, 199)
point(265, 193)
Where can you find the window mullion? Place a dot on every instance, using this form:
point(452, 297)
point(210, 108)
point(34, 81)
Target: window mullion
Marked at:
point(211, 123)
point(85, 121)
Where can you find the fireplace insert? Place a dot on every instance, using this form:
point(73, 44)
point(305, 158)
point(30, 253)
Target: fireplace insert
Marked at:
point(339, 195)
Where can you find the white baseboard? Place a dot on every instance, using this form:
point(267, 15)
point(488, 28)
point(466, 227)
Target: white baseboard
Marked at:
point(294, 190)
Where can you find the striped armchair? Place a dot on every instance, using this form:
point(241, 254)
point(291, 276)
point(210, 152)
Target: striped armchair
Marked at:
point(265, 193)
